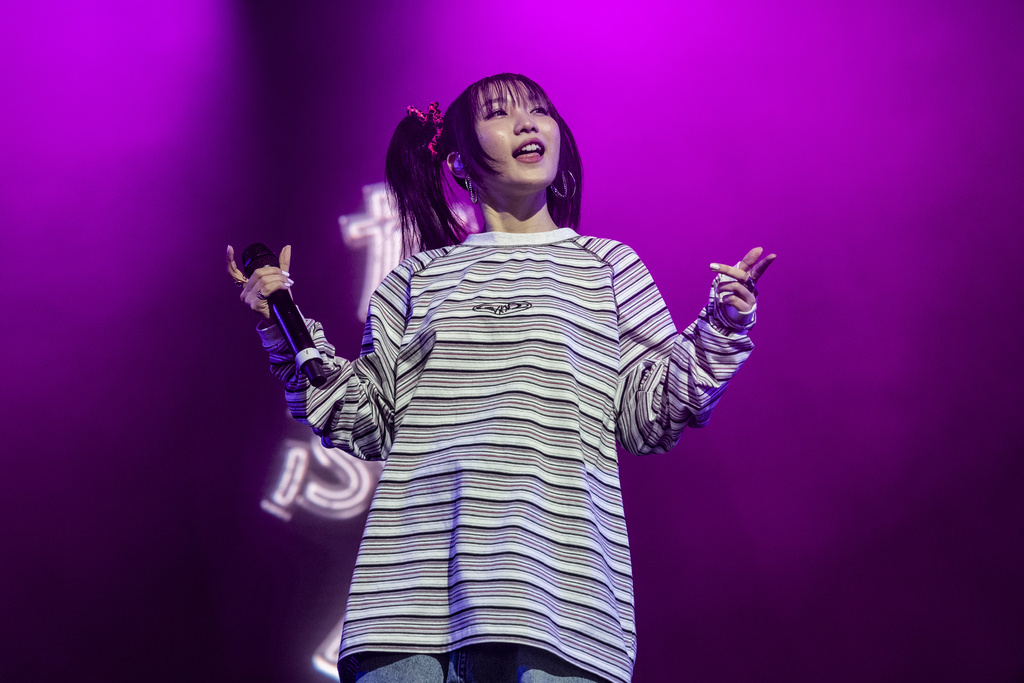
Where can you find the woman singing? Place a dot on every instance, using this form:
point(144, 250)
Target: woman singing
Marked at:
point(496, 375)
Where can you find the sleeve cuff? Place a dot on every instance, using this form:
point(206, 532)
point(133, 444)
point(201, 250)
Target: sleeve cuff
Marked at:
point(271, 335)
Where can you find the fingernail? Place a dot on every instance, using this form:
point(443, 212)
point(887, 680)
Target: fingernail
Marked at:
point(715, 266)
point(290, 282)
point(286, 273)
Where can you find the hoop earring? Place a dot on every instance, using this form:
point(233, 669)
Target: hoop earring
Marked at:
point(565, 193)
point(472, 192)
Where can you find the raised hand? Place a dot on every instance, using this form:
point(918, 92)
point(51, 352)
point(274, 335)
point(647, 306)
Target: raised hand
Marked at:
point(264, 281)
point(739, 288)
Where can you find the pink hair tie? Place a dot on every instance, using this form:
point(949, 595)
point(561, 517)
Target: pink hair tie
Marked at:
point(432, 117)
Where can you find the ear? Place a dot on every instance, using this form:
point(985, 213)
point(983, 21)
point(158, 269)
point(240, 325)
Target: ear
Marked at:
point(456, 165)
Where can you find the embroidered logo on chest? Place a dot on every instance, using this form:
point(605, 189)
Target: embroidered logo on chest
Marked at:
point(503, 308)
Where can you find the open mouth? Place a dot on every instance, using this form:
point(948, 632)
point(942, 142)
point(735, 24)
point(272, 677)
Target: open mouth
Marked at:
point(531, 147)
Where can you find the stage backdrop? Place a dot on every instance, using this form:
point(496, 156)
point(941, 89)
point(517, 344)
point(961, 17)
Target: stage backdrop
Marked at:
point(853, 511)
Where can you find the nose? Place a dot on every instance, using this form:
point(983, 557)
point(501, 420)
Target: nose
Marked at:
point(525, 122)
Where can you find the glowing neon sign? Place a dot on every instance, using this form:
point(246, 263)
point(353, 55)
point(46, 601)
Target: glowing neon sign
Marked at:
point(377, 231)
point(344, 495)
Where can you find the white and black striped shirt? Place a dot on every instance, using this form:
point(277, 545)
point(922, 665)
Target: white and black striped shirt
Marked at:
point(495, 378)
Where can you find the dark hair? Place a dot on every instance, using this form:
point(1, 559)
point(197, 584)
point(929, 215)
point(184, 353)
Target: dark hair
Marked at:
point(414, 175)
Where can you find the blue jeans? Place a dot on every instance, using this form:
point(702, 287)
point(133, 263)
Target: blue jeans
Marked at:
point(488, 663)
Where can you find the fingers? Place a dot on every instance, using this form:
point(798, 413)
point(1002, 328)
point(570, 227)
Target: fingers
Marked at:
point(738, 290)
point(750, 259)
point(286, 258)
point(265, 281)
point(735, 294)
point(758, 270)
point(233, 270)
point(750, 266)
point(732, 271)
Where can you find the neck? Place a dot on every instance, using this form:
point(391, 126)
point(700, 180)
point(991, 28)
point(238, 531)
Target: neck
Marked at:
point(528, 214)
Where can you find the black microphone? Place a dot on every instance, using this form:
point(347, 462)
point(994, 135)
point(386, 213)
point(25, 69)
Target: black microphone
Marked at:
point(287, 315)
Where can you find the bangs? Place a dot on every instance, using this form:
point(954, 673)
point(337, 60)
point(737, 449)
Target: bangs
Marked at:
point(508, 88)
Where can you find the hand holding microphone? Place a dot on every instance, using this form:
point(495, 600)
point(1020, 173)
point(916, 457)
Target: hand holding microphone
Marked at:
point(265, 282)
point(265, 288)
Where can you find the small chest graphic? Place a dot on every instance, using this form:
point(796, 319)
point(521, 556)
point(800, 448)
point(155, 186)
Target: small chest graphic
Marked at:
point(503, 308)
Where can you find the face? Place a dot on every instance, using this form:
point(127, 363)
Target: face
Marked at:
point(523, 139)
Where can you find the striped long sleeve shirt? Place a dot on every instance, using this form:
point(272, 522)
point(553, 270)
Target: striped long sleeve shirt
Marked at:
point(495, 378)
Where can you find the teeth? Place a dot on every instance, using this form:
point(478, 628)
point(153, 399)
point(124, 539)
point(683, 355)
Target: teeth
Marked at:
point(530, 148)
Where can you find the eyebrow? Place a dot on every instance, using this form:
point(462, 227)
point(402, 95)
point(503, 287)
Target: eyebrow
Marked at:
point(486, 105)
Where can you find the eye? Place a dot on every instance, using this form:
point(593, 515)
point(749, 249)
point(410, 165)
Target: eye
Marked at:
point(543, 111)
point(497, 111)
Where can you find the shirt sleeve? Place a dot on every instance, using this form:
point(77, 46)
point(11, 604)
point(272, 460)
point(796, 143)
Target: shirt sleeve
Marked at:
point(354, 410)
point(668, 380)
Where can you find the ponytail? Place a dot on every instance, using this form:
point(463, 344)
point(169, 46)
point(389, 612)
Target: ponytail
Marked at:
point(414, 176)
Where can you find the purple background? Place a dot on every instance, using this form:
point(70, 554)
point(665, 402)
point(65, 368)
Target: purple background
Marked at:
point(854, 511)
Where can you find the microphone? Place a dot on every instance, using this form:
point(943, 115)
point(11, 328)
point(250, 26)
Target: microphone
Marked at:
point(287, 315)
